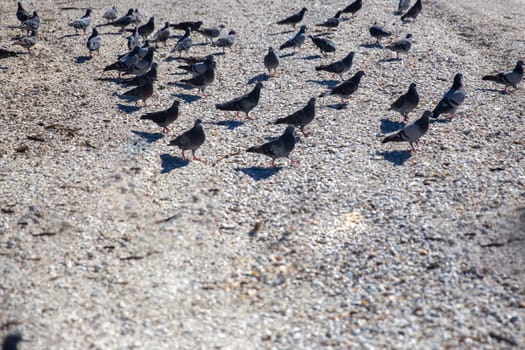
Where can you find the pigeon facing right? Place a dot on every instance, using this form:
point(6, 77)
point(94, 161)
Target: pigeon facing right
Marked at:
point(190, 140)
point(338, 67)
point(226, 41)
point(332, 22)
point(27, 42)
point(94, 42)
point(452, 99)
point(413, 12)
point(406, 103)
point(21, 13)
point(244, 103)
point(401, 46)
point(294, 19)
point(184, 43)
point(412, 132)
point(32, 24)
point(164, 118)
point(402, 7)
point(353, 7)
point(202, 81)
point(111, 14)
point(379, 33)
point(346, 88)
point(83, 22)
point(512, 78)
point(279, 148)
point(121, 22)
point(297, 41)
point(162, 35)
point(301, 118)
point(271, 62)
point(142, 92)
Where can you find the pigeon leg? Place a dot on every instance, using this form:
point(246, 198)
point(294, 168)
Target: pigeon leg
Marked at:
point(273, 163)
point(183, 156)
point(293, 161)
point(195, 157)
point(249, 118)
point(305, 133)
point(405, 119)
point(165, 130)
point(452, 116)
point(237, 114)
point(412, 148)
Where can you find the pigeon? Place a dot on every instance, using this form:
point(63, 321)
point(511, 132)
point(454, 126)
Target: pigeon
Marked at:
point(136, 17)
point(379, 33)
point(244, 103)
point(134, 40)
point(353, 7)
point(401, 46)
point(83, 22)
point(32, 24)
point(271, 61)
point(164, 118)
point(301, 118)
point(332, 22)
point(295, 18)
point(452, 99)
point(512, 78)
point(227, 41)
point(203, 80)
point(325, 45)
point(142, 66)
point(6, 53)
point(111, 14)
point(212, 33)
point(190, 140)
point(413, 12)
point(346, 88)
point(146, 29)
point(11, 341)
point(338, 67)
point(142, 92)
point(193, 25)
point(199, 67)
point(121, 22)
point(412, 132)
point(297, 41)
point(278, 148)
point(402, 7)
point(184, 43)
point(406, 103)
point(22, 14)
point(162, 35)
point(94, 42)
point(27, 42)
point(151, 75)
point(125, 61)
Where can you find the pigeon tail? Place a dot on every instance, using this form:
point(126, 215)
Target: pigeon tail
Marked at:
point(393, 138)
point(256, 149)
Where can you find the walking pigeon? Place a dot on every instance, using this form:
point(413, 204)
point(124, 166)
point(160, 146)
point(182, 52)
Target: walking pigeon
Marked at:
point(297, 41)
point(184, 43)
point(94, 42)
point(300, 118)
point(190, 140)
point(271, 62)
point(413, 12)
point(244, 103)
point(512, 78)
point(199, 67)
point(294, 19)
point(21, 14)
point(162, 35)
point(452, 99)
point(111, 14)
point(165, 117)
point(412, 132)
point(83, 22)
point(353, 7)
point(332, 22)
point(146, 29)
point(27, 42)
point(407, 102)
point(134, 40)
point(212, 33)
point(121, 22)
point(325, 45)
point(203, 80)
point(338, 67)
point(226, 41)
point(346, 88)
point(401, 46)
point(142, 92)
point(279, 148)
point(379, 33)
point(32, 24)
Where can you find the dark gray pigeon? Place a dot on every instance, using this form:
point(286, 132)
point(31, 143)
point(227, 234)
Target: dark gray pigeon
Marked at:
point(512, 78)
point(151, 75)
point(452, 99)
point(332, 22)
point(406, 103)
point(325, 45)
point(193, 25)
point(199, 67)
point(162, 35)
point(32, 24)
point(346, 88)
point(142, 66)
point(353, 7)
point(111, 14)
point(203, 80)
point(11, 341)
point(184, 43)
point(190, 140)
point(244, 103)
point(413, 12)
point(338, 67)
point(94, 42)
point(121, 22)
point(401, 46)
point(212, 32)
point(226, 41)
point(83, 22)
point(279, 148)
point(294, 19)
point(134, 40)
point(146, 29)
point(300, 118)
point(379, 33)
point(142, 92)
point(271, 62)
point(412, 132)
point(165, 117)
point(27, 42)
point(21, 13)
point(402, 7)
point(297, 41)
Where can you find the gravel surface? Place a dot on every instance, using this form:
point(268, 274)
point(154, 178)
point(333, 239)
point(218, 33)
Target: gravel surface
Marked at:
point(109, 241)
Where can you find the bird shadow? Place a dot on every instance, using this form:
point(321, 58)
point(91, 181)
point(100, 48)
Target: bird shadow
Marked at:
point(170, 163)
point(188, 98)
point(396, 157)
point(148, 136)
point(391, 59)
point(287, 55)
point(230, 124)
point(260, 173)
point(388, 126)
point(111, 80)
point(337, 106)
point(170, 59)
point(441, 121)
point(127, 108)
point(68, 36)
point(283, 32)
point(372, 46)
point(311, 57)
point(82, 59)
point(180, 85)
point(329, 83)
point(501, 92)
point(259, 78)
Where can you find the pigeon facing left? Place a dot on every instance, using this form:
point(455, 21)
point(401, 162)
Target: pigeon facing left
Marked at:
point(412, 132)
point(379, 33)
point(190, 140)
point(325, 45)
point(202, 81)
point(512, 78)
point(402, 7)
point(83, 22)
point(32, 24)
point(413, 12)
point(407, 102)
point(212, 33)
point(279, 148)
point(452, 99)
point(294, 19)
point(111, 14)
point(300, 118)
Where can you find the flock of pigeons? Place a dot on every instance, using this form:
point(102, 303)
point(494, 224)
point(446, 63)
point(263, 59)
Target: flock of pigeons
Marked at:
point(144, 40)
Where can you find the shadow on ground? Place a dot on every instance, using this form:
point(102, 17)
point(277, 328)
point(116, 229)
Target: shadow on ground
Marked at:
point(170, 163)
point(148, 136)
point(260, 173)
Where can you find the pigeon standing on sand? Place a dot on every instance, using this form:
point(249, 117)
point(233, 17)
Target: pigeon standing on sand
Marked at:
point(297, 41)
point(94, 42)
point(401, 46)
point(413, 12)
point(294, 19)
point(279, 148)
point(271, 62)
point(300, 118)
point(162, 35)
point(325, 45)
point(338, 67)
point(407, 102)
point(151, 75)
point(142, 92)
point(353, 7)
point(212, 33)
point(199, 67)
point(136, 17)
point(379, 33)
point(146, 29)
point(193, 25)
point(226, 41)
point(184, 43)
point(134, 40)
point(190, 140)
point(27, 42)
point(83, 22)
point(111, 14)
point(412, 132)
point(332, 22)
point(452, 99)
point(164, 118)
point(142, 66)
point(512, 78)
point(21, 14)
point(346, 88)
point(121, 22)
point(402, 7)
point(244, 103)
point(203, 80)
point(11, 341)
point(32, 24)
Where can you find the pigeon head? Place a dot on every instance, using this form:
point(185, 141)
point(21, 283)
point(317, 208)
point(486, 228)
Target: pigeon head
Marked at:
point(458, 81)
point(360, 73)
point(176, 104)
point(426, 115)
point(166, 25)
point(412, 86)
point(270, 49)
point(311, 101)
point(304, 9)
point(152, 19)
point(289, 130)
point(338, 14)
point(94, 32)
point(259, 85)
point(232, 32)
point(88, 13)
point(209, 58)
point(35, 14)
point(302, 29)
point(409, 36)
point(130, 12)
point(198, 122)
point(221, 26)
